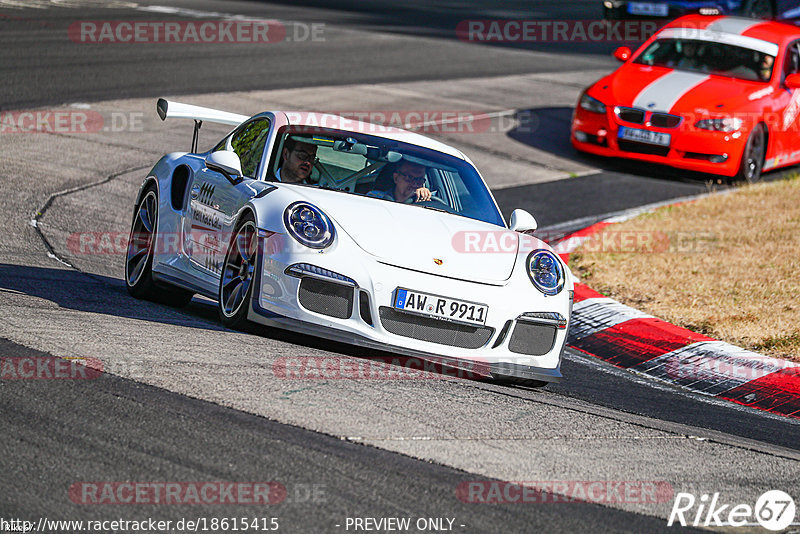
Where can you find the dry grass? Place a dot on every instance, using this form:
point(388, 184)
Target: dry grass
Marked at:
point(727, 266)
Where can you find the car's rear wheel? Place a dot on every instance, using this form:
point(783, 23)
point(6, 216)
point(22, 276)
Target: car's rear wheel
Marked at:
point(139, 257)
point(759, 9)
point(753, 156)
point(238, 272)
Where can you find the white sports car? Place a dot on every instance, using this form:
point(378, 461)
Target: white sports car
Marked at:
point(366, 234)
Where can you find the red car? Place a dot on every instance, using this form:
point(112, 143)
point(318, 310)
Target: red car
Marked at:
point(707, 93)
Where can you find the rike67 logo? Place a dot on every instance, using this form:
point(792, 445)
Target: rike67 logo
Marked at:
point(774, 510)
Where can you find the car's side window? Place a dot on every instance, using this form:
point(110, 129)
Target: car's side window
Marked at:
point(792, 63)
point(248, 143)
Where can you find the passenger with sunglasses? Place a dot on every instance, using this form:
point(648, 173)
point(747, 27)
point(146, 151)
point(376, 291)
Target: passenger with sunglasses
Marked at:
point(409, 185)
point(297, 162)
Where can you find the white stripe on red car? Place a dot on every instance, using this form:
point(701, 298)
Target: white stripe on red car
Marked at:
point(664, 92)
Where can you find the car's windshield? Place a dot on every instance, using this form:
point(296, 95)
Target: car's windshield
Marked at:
point(708, 57)
point(390, 171)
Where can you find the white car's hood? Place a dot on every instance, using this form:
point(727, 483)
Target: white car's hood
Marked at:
point(415, 238)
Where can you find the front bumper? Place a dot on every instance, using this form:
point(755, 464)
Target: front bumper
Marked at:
point(692, 149)
point(358, 311)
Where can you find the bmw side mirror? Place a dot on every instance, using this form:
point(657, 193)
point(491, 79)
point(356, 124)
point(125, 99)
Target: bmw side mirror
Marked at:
point(227, 163)
point(623, 53)
point(793, 81)
point(522, 221)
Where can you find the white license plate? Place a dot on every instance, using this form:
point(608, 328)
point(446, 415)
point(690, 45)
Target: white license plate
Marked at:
point(653, 9)
point(457, 310)
point(643, 136)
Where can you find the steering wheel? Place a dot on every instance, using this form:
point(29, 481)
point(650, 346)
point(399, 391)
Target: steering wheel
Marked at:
point(436, 202)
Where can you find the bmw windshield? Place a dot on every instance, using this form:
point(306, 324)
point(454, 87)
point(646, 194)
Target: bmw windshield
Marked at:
point(708, 57)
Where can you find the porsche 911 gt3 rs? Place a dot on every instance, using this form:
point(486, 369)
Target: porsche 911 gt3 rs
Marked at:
point(338, 255)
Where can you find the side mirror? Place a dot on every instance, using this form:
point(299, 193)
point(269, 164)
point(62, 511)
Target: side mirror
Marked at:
point(793, 81)
point(522, 221)
point(623, 53)
point(226, 162)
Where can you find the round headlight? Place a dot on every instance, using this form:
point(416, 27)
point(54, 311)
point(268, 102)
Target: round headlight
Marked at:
point(546, 272)
point(308, 225)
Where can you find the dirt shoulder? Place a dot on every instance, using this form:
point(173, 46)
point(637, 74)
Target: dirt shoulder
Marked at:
point(727, 266)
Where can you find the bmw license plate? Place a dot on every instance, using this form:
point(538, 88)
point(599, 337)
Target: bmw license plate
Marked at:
point(643, 136)
point(652, 9)
point(460, 311)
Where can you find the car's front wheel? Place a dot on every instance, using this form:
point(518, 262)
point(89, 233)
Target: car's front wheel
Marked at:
point(238, 272)
point(753, 156)
point(139, 257)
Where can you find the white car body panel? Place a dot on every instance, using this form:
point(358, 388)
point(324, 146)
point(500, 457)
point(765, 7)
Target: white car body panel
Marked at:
point(380, 245)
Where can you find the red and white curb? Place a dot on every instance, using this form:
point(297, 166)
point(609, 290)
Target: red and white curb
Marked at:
point(630, 339)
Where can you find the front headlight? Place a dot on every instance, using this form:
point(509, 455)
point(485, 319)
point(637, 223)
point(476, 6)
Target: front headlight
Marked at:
point(728, 124)
point(591, 104)
point(546, 272)
point(308, 225)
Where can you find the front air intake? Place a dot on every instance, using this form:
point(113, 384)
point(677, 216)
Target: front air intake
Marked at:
point(326, 298)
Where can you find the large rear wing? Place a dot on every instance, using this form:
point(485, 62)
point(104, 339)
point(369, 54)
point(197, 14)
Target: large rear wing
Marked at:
point(176, 110)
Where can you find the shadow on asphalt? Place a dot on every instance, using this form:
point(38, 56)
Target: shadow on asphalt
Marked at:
point(548, 129)
point(620, 185)
point(534, 123)
point(93, 293)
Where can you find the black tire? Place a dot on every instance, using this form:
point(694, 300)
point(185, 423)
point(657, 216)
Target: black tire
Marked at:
point(517, 381)
point(237, 276)
point(753, 156)
point(759, 9)
point(139, 257)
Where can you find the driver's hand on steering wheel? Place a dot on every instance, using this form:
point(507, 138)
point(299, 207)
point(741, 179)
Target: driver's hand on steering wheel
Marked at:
point(423, 194)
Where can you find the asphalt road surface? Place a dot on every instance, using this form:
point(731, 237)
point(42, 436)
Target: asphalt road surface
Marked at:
point(185, 400)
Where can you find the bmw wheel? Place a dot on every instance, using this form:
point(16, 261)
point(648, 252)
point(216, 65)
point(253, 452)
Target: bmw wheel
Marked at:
point(753, 156)
point(139, 257)
point(238, 270)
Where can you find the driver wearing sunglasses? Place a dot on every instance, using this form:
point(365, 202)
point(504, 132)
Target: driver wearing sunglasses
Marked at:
point(409, 185)
point(298, 161)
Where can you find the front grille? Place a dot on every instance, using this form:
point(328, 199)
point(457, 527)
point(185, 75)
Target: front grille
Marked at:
point(636, 116)
point(665, 120)
point(642, 148)
point(327, 298)
point(532, 339)
point(434, 330)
